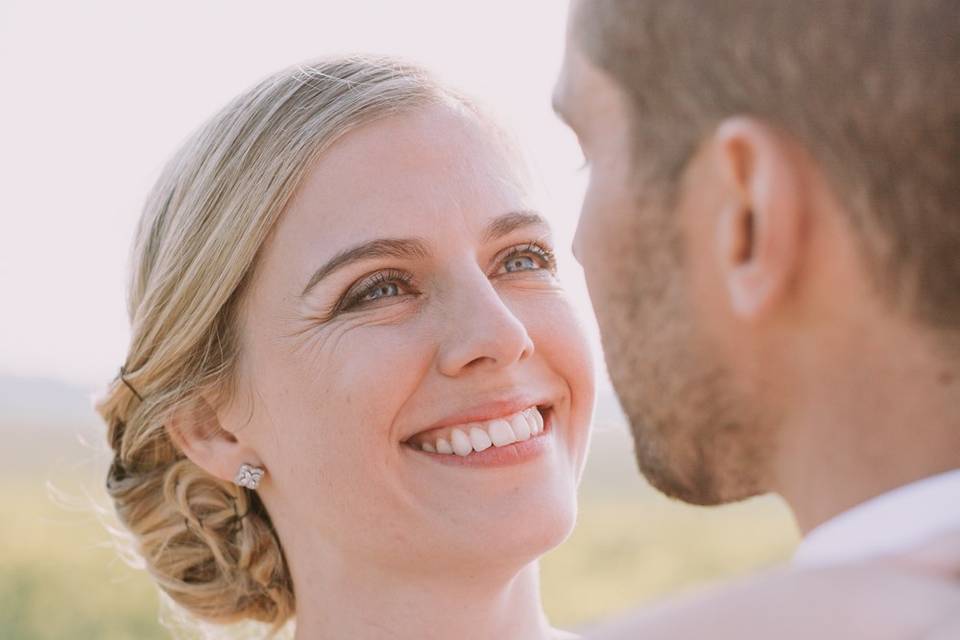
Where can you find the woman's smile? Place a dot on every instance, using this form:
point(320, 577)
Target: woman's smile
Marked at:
point(490, 438)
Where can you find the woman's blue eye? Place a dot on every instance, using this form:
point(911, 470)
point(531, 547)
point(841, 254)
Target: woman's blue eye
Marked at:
point(520, 263)
point(530, 257)
point(388, 285)
point(384, 290)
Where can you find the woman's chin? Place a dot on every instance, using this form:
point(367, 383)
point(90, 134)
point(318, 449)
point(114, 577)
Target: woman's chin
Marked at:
point(545, 530)
point(517, 529)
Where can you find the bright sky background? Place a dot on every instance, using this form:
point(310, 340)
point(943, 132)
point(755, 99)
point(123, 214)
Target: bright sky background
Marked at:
point(97, 94)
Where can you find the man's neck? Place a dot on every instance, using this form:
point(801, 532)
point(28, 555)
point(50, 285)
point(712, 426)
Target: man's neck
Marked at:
point(862, 435)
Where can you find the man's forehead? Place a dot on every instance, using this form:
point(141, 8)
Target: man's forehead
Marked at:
point(578, 9)
point(566, 87)
point(561, 94)
point(569, 86)
point(583, 91)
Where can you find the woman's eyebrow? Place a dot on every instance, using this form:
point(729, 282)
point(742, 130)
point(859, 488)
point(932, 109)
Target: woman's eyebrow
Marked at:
point(413, 248)
point(509, 222)
point(382, 248)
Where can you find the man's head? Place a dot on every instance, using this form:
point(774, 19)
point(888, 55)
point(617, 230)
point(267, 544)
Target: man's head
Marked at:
point(771, 182)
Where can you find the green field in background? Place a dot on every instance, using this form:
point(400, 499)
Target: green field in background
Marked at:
point(61, 578)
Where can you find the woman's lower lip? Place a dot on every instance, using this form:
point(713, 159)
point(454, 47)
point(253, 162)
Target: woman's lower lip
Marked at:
point(512, 454)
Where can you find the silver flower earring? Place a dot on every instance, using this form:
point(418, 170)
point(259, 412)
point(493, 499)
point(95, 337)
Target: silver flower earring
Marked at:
point(248, 476)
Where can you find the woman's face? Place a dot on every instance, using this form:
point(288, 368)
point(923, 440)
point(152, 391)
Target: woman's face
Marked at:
point(406, 305)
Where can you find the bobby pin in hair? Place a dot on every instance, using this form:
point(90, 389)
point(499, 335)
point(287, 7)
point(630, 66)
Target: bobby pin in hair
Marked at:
point(123, 378)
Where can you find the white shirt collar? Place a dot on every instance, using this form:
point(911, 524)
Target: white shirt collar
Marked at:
point(894, 521)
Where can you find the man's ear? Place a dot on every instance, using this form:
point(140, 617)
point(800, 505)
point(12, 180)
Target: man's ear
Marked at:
point(760, 229)
point(196, 430)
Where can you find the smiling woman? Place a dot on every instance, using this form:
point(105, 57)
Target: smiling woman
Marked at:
point(342, 286)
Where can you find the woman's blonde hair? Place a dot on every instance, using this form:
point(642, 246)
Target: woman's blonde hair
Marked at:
point(210, 545)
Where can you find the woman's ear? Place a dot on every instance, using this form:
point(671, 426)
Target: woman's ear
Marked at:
point(760, 229)
point(196, 430)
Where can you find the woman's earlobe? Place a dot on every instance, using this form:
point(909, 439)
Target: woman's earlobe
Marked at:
point(249, 476)
point(196, 430)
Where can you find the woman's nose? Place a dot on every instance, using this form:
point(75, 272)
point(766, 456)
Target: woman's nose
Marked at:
point(481, 331)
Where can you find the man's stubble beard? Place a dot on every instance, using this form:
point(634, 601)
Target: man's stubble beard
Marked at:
point(696, 436)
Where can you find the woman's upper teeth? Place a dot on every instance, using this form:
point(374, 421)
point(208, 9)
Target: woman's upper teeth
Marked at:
point(478, 436)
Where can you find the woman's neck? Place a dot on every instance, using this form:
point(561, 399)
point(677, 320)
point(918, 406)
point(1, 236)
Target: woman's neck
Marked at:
point(368, 603)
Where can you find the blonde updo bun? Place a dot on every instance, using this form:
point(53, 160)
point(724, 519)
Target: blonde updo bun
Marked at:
point(210, 545)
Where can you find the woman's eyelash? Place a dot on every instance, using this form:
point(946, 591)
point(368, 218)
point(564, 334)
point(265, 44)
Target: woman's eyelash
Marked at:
point(368, 285)
point(545, 254)
point(356, 294)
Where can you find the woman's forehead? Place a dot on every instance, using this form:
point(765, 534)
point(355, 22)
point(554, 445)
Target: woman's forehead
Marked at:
point(430, 172)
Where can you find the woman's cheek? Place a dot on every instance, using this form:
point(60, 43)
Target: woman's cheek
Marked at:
point(568, 351)
point(582, 407)
point(363, 385)
point(373, 372)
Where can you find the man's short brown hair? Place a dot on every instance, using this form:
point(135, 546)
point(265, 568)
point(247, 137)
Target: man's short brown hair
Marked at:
point(871, 88)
